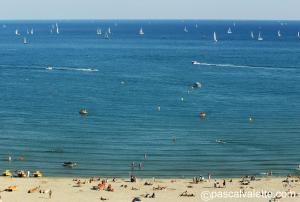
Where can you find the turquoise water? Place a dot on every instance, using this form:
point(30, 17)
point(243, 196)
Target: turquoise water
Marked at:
point(123, 80)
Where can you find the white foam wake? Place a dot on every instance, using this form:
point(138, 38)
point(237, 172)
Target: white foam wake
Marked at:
point(73, 69)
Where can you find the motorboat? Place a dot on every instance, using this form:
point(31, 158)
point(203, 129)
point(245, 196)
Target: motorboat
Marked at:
point(69, 164)
point(202, 115)
point(197, 85)
point(83, 112)
point(194, 62)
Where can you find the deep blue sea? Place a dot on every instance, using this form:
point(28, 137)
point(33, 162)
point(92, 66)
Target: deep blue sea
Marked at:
point(122, 82)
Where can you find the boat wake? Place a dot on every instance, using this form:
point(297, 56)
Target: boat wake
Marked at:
point(244, 66)
point(73, 69)
point(39, 67)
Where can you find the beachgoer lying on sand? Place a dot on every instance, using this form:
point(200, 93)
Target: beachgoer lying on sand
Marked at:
point(11, 188)
point(186, 194)
point(36, 189)
point(159, 188)
point(148, 195)
point(134, 189)
point(103, 199)
point(109, 188)
point(124, 185)
point(101, 186)
point(148, 184)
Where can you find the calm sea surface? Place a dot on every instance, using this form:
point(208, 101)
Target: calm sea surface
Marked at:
point(123, 80)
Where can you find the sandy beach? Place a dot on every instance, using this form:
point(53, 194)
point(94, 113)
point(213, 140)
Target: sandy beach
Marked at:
point(81, 190)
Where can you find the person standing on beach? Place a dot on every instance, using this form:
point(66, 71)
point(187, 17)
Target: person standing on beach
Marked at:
point(209, 176)
point(50, 193)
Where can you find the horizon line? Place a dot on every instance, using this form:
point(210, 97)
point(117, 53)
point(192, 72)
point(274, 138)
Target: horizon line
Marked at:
point(144, 19)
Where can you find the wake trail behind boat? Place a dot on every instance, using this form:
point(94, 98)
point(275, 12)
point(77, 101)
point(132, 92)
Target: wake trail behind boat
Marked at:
point(72, 69)
point(244, 66)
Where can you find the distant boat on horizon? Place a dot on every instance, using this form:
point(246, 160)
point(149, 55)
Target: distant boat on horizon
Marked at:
point(185, 29)
point(17, 32)
point(252, 35)
point(25, 40)
point(279, 33)
point(141, 32)
point(108, 30)
point(260, 38)
point(31, 31)
point(215, 37)
point(106, 35)
point(57, 28)
point(298, 34)
point(229, 31)
point(99, 31)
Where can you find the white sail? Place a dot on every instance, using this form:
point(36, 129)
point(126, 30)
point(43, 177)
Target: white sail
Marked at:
point(99, 31)
point(279, 33)
point(185, 29)
point(106, 36)
point(27, 31)
point(109, 30)
point(31, 31)
point(260, 38)
point(252, 35)
point(57, 28)
point(298, 35)
point(215, 37)
point(17, 32)
point(229, 31)
point(25, 40)
point(141, 32)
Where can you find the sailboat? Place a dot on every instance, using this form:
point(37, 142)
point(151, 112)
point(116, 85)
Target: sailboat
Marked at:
point(57, 28)
point(106, 36)
point(99, 31)
point(298, 35)
point(215, 37)
point(252, 35)
point(25, 40)
point(141, 32)
point(27, 31)
point(260, 38)
point(229, 31)
point(31, 31)
point(17, 32)
point(279, 33)
point(196, 26)
point(185, 29)
point(109, 30)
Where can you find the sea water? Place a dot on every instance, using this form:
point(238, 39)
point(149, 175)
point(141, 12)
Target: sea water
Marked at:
point(123, 80)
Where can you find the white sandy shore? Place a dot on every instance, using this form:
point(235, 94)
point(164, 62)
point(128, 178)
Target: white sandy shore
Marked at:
point(64, 191)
